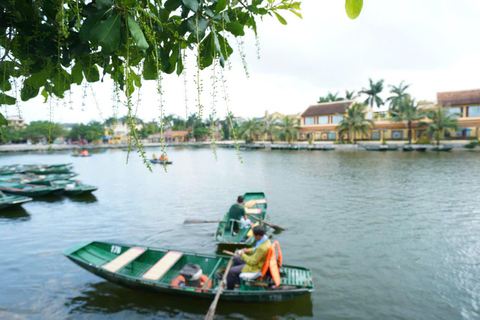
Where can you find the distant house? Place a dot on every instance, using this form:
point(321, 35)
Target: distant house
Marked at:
point(170, 136)
point(319, 121)
point(119, 131)
point(16, 122)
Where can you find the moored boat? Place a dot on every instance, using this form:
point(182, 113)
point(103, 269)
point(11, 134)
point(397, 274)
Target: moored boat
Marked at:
point(30, 190)
point(55, 169)
point(160, 161)
point(408, 148)
point(156, 269)
point(381, 148)
point(442, 149)
point(73, 188)
point(46, 179)
point(256, 209)
point(11, 200)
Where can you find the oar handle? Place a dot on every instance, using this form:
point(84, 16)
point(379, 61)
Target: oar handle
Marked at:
point(213, 306)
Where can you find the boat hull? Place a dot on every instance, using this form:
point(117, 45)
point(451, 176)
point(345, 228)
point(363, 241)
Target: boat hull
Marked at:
point(96, 265)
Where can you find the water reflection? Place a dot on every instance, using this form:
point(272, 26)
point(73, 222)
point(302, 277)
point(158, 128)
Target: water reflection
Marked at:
point(49, 198)
point(108, 299)
point(14, 213)
point(83, 198)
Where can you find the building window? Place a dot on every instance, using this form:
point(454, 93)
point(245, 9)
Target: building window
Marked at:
point(474, 111)
point(397, 135)
point(337, 118)
point(375, 135)
point(332, 136)
point(309, 120)
point(323, 120)
point(454, 110)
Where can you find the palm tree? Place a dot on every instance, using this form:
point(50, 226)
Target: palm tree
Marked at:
point(441, 120)
point(249, 129)
point(407, 111)
point(350, 95)
point(288, 128)
point(373, 92)
point(398, 94)
point(355, 122)
point(268, 126)
point(330, 97)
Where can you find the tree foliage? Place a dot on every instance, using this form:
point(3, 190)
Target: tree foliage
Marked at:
point(354, 122)
point(407, 111)
point(440, 121)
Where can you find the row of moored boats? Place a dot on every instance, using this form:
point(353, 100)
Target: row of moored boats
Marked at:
point(22, 183)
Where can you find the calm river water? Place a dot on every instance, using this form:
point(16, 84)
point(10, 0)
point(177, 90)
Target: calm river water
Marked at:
point(387, 235)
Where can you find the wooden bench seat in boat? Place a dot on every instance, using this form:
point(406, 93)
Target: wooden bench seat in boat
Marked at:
point(162, 265)
point(123, 259)
point(252, 203)
point(253, 211)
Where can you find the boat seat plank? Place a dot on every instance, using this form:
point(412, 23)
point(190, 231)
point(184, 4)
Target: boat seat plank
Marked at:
point(253, 211)
point(123, 259)
point(252, 203)
point(162, 265)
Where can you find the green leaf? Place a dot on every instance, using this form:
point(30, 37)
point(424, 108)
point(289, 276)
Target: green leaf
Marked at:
point(104, 4)
point(172, 5)
point(3, 121)
point(6, 99)
point(45, 95)
point(107, 33)
point(28, 92)
point(129, 3)
point(280, 18)
point(191, 4)
point(353, 7)
point(137, 34)
point(150, 68)
point(77, 73)
point(235, 28)
point(91, 73)
point(221, 4)
point(91, 21)
point(5, 85)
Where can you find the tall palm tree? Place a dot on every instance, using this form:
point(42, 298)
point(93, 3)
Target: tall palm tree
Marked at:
point(249, 129)
point(440, 120)
point(330, 97)
point(355, 122)
point(407, 111)
point(288, 128)
point(350, 95)
point(268, 126)
point(373, 92)
point(399, 93)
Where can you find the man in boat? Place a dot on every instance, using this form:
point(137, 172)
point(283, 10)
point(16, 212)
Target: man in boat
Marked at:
point(236, 212)
point(251, 259)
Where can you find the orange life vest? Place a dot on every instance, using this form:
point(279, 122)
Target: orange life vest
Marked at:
point(273, 263)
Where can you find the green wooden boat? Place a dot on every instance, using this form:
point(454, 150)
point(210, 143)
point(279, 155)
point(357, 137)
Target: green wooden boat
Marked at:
point(381, 148)
point(160, 162)
point(156, 269)
point(412, 148)
point(11, 169)
point(49, 169)
point(9, 200)
point(73, 188)
point(255, 205)
point(30, 190)
point(47, 179)
point(442, 149)
point(321, 148)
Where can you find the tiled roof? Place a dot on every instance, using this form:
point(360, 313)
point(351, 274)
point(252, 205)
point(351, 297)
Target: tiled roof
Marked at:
point(456, 98)
point(327, 108)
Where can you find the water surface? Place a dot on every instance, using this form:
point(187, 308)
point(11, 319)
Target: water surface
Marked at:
point(387, 235)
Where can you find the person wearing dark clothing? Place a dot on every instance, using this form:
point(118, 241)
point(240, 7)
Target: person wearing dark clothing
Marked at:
point(236, 212)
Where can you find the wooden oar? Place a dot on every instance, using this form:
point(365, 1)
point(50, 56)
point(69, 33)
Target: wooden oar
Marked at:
point(192, 221)
point(213, 306)
point(268, 224)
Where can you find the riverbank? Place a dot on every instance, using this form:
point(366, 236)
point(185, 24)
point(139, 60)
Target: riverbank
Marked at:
point(13, 148)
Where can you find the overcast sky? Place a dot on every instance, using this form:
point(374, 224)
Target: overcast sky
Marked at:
point(432, 44)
